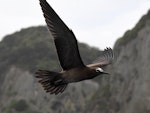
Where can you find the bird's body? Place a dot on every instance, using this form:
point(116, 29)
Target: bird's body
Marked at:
point(79, 74)
point(73, 68)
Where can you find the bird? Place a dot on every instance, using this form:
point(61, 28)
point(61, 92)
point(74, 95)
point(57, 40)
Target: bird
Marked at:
point(73, 68)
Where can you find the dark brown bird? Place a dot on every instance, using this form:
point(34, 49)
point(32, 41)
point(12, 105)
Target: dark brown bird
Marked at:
point(73, 68)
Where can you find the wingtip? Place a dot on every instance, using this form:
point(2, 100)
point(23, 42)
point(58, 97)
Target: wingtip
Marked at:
point(110, 52)
point(108, 48)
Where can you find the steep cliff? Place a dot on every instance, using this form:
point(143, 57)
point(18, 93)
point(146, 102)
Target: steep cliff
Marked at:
point(26, 51)
point(20, 89)
point(127, 90)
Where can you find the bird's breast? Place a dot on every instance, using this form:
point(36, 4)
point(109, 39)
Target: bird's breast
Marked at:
point(77, 74)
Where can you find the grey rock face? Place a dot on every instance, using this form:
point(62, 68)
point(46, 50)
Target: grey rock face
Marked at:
point(127, 90)
point(21, 85)
point(130, 83)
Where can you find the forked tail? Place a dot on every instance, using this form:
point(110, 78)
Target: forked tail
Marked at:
point(51, 81)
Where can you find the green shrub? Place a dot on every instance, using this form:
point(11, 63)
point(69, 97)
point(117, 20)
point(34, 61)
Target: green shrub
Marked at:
point(132, 34)
point(20, 105)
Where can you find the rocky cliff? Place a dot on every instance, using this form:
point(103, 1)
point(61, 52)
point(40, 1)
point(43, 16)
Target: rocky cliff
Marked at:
point(26, 51)
point(20, 89)
point(125, 91)
point(128, 88)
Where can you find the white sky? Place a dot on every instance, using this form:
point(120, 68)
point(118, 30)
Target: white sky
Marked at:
point(97, 22)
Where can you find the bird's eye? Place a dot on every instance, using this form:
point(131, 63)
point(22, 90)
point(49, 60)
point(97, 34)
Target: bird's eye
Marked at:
point(99, 69)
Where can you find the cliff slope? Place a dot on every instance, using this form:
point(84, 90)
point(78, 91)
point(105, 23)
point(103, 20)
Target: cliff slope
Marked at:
point(26, 51)
point(127, 90)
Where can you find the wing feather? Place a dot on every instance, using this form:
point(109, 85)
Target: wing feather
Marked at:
point(106, 58)
point(65, 41)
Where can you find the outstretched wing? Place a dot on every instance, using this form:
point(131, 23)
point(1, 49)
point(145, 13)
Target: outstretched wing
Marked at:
point(65, 41)
point(106, 58)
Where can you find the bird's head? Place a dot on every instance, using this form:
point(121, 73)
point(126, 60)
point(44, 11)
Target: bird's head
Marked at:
point(100, 71)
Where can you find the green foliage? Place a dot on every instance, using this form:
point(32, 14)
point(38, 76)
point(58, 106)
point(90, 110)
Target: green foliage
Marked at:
point(88, 54)
point(100, 99)
point(33, 48)
point(132, 34)
point(30, 111)
point(18, 106)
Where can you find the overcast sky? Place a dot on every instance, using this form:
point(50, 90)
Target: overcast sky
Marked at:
point(97, 22)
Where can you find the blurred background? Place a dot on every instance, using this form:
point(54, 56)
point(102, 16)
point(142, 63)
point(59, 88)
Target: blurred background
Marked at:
point(26, 46)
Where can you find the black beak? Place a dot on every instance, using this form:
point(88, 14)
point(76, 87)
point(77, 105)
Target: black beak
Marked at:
point(106, 73)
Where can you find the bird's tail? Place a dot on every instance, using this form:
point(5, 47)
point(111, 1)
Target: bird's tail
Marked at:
point(51, 81)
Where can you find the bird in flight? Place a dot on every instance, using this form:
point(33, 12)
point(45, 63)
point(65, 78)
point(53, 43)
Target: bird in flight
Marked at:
point(73, 68)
